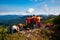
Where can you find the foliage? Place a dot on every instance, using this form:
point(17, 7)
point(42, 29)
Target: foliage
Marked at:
point(56, 34)
point(57, 20)
point(36, 35)
point(48, 21)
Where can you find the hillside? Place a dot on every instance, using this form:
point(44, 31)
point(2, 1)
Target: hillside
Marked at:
point(35, 34)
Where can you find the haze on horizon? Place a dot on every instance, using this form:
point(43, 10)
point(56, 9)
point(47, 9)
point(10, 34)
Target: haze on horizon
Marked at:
point(29, 7)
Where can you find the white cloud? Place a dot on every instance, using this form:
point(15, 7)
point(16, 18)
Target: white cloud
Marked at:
point(13, 13)
point(45, 10)
point(30, 10)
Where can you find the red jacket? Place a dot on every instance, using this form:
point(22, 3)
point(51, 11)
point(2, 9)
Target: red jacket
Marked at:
point(35, 19)
point(28, 21)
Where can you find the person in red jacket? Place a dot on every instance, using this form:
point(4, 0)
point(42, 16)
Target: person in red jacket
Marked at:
point(35, 21)
point(28, 22)
point(40, 21)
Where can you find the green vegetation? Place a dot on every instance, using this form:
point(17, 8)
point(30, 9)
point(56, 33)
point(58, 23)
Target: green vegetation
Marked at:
point(56, 35)
point(40, 34)
point(48, 21)
point(3, 31)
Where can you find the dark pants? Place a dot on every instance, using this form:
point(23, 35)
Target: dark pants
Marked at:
point(38, 24)
point(32, 25)
point(28, 25)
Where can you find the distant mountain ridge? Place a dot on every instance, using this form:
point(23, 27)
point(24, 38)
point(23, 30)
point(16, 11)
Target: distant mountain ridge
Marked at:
point(15, 19)
point(8, 17)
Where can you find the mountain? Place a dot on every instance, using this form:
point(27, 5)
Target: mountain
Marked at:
point(12, 19)
point(15, 19)
point(8, 17)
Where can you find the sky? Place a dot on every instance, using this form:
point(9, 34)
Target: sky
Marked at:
point(29, 7)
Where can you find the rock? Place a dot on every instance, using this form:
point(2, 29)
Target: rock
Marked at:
point(28, 35)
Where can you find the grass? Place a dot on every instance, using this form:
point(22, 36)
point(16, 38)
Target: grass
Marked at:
point(37, 35)
point(48, 21)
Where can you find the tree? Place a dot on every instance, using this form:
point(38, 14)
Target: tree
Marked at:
point(57, 20)
point(56, 35)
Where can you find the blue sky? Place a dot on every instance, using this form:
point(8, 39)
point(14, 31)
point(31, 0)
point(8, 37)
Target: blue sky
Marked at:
point(29, 7)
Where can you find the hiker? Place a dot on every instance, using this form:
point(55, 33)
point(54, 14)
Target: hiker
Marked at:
point(28, 22)
point(20, 27)
point(38, 21)
point(33, 21)
point(48, 25)
point(14, 29)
